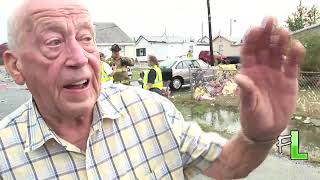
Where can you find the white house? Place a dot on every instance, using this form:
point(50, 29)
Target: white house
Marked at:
point(201, 45)
point(163, 47)
point(108, 34)
point(227, 46)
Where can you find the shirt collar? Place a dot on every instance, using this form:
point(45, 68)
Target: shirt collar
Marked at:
point(101, 112)
point(39, 132)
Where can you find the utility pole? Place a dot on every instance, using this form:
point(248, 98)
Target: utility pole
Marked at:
point(201, 31)
point(231, 22)
point(210, 30)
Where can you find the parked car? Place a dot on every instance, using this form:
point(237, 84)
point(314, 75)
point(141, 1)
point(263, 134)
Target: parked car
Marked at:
point(232, 60)
point(176, 72)
point(217, 57)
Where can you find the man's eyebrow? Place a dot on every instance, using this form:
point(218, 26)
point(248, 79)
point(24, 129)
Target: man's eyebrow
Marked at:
point(50, 26)
point(85, 25)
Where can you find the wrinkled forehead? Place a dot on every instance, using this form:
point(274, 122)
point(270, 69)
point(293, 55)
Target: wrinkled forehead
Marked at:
point(38, 11)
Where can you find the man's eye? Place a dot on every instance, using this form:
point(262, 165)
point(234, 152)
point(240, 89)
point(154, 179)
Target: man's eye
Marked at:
point(55, 42)
point(87, 39)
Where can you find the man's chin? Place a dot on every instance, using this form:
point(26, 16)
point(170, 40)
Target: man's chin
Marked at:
point(78, 108)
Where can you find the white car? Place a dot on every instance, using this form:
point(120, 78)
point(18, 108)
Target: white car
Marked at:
point(177, 72)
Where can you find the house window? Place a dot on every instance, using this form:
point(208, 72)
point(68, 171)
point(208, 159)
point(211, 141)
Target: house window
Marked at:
point(141, 52)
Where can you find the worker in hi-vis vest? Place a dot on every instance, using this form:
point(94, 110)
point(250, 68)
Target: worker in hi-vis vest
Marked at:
point(152, 79)
point(106, 72)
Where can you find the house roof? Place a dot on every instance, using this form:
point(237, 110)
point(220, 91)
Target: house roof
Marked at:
point(110, 33)
point(203, 40)
point(234, 40)
point(162, 39)
point(228, 38)
point(307, 28)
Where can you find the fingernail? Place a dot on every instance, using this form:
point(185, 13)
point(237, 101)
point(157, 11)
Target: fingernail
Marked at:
point(264, 22)
point(274, 28)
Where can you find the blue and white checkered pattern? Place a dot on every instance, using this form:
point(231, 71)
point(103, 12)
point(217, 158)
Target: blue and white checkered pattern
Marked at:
point(135, 134)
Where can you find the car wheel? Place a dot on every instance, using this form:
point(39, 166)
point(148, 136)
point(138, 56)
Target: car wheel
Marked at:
point(176, 83)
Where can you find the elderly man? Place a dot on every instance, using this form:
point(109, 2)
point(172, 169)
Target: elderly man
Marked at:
point(71, 129)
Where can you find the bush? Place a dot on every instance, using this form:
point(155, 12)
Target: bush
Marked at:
point(311, 42)
point(1, 61)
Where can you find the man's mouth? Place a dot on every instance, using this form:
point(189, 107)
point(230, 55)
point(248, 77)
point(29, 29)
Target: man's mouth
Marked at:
point(77, 85)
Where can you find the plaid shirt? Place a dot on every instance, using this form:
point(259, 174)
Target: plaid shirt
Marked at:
point(135, 134)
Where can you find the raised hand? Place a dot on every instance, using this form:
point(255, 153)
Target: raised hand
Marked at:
point(268, 80)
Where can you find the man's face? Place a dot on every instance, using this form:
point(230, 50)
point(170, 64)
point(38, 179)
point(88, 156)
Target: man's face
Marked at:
point(116, 55)
point(60, 62)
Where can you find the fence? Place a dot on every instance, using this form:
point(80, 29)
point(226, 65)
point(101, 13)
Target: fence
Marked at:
point(218, 85)
point(309, 94)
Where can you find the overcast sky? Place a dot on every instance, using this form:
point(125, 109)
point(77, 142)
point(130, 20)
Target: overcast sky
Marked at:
point(178, 17)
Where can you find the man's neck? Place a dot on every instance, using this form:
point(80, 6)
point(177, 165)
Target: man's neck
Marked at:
point(116, 58)
point(74, 130)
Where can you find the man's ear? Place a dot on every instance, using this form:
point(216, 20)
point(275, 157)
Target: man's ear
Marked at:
point(14, 67)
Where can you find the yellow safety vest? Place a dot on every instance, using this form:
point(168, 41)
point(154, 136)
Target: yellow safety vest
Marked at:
point(105, 77)
point(158, 83)
point(121, 69)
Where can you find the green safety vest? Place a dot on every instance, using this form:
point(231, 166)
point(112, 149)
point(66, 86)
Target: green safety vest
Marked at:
point(121, 69)
point(104, 76)
point(158, 83)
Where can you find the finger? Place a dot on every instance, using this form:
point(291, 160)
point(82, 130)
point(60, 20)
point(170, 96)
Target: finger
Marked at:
point(295, 58)
point(249, 47)
point(285, 40)
point(247, 91)
point(269, 27)
point(279, 44)
point(269, 24)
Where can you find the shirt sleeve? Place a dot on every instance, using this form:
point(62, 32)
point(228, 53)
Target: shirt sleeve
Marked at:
point(107, 68)
point(127, 61)
point(152, 76)
point(198, 149)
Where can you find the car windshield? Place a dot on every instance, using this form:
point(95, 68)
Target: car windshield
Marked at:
point(203, 64)
point(167, 63)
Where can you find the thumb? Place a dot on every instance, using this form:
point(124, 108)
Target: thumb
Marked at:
point(248, 92)
point(245, 83)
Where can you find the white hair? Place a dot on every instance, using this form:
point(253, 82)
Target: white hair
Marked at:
point(14, 25)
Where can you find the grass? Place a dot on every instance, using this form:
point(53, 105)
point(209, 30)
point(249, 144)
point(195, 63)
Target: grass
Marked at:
point(308, 103)
point(182, 99)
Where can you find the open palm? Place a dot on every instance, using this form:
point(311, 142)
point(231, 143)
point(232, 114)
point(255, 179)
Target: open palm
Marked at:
point(268, 80)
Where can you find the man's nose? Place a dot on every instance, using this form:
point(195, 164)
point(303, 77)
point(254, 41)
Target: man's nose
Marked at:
point(76, 54)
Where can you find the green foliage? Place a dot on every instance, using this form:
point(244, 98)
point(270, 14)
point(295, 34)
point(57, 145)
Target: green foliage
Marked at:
point(1, 61)
point(303, 17)
point(311, 42)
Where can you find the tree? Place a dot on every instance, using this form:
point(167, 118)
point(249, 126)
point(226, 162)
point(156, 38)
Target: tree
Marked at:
point(313, 15)
point(311, 41)
point(303, 17)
